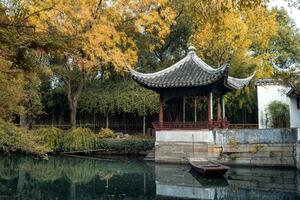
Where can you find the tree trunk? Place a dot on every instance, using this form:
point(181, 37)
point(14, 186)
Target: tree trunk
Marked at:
point(52, 120)
point(94, 120)
point(144, 125)
point(23, 120)
point(106, 120)
point(73, 111)
point(72, 191)
point(21, 182)
point(73, 98)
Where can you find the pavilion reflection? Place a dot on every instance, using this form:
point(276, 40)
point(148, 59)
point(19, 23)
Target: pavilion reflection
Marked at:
point(181, 182)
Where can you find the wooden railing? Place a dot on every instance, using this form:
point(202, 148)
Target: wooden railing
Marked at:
point(191, 125)
point(243, 126)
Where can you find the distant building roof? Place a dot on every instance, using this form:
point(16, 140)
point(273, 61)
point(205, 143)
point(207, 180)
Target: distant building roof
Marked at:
point(191, 71)
point(292, 93)
point(266, 81)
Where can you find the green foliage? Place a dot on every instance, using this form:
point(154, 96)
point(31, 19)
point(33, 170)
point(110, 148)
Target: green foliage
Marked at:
point(49, 137)
point(233, 142)
point(132, 98)
point(106, 133)
point(279, 114)
point(11, 92)
point(78, 139)
point(232, 157)
point(286, 43)
point(118, 95)
point(32, 101)
point(127, 146)
point(14, 139)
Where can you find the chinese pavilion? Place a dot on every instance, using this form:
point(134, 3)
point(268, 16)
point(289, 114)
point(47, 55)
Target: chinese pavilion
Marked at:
point(192, 77)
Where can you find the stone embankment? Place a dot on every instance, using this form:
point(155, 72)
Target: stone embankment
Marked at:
point(250, 147)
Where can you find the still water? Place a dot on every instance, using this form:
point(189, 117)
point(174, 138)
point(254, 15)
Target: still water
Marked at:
point(24, 177)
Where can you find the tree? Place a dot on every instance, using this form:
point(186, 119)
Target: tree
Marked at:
point(240, 32)
point(286, 46)
point(19, 57)
point(286, 43)
point(279, 114)
point(132, 98)
point(11, 91)
point(118, 95)
point(239, 35)
point(98, 33)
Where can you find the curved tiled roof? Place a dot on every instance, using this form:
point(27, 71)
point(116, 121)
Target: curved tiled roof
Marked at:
point(189, 72)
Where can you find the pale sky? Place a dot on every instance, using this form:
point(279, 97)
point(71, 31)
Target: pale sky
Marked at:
point(293, 12)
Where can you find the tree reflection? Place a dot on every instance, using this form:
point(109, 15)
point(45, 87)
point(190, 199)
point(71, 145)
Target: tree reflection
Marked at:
point(64, 177)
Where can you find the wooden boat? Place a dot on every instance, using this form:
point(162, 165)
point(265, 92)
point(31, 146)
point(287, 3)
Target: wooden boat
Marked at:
point(207, 168)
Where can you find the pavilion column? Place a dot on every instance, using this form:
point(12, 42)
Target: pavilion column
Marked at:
point(161, 111)
point(223, 113)
point(195, 109)
point(210, 109)
point(223, 108)
point(219, 117)
point(183, 110)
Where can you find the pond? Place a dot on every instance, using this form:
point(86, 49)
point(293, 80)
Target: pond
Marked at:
point(25, 177)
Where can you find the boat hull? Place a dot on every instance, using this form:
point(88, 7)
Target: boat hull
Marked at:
point(209, 168)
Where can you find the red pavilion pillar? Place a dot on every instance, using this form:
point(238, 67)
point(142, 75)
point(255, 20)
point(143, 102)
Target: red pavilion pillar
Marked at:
point(161, 111)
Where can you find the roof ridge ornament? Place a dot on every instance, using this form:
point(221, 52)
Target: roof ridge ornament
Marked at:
point(192, 50)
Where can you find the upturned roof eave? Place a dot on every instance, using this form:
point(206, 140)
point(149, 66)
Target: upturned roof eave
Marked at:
point(233, 83)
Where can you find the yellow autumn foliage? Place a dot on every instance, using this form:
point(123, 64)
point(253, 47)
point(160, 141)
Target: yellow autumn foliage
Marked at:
point(234, 33)
point(101, 29)
point(11, 90)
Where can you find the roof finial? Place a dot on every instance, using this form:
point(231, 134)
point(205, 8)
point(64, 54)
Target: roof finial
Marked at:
point(192, 49)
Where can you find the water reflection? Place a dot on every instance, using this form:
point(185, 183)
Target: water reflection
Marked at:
point(75, 178)
point(23, 177)
point(173, 182)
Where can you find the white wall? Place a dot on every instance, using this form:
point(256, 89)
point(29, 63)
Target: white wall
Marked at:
point(294, 113)
point(205, 136)
point(266, 94)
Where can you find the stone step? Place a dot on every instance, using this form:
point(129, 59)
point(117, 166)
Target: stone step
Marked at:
point(151, 155)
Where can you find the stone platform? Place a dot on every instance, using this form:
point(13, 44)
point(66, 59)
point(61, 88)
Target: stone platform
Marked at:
point(250, 147)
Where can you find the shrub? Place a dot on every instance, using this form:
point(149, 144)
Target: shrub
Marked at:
point(127, 146)
point(106, 133)
point(79, 139)
point(14, 139)
point(279, 114)
point(49, 137)
point(232, 157)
